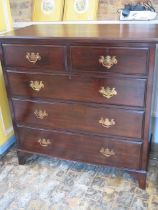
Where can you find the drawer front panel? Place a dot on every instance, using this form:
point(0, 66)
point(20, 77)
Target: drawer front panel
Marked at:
point(81, 147)
point(34, 57)
point(79, 117)
point(117, 91)
point(116, 60)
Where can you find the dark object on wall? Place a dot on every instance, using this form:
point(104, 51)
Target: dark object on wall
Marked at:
point(137, 7)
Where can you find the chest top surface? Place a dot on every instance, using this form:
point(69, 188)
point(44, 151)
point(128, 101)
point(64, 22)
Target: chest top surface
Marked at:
point(101, 32)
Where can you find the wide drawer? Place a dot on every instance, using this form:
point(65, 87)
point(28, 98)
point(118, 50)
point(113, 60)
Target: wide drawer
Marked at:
point(117, 91)
point(35, 57)
point(86, 148)
point(103, 59)
point(79, 117)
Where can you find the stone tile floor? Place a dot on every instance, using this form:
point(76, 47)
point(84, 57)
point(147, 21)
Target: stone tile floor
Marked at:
point(45, 183)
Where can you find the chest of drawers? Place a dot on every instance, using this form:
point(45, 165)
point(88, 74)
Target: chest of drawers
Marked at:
point(82, 92)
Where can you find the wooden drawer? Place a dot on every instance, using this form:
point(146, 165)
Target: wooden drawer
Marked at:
point(85, 148)
point(117, 91)
point(103, 59)
point(78, 117)
point(42, 57)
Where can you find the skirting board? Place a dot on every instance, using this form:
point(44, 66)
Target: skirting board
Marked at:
point(154, 129)
point(154, 151)
point(7, 145)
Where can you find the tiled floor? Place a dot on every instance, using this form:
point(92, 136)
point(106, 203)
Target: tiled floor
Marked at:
point(51, 184)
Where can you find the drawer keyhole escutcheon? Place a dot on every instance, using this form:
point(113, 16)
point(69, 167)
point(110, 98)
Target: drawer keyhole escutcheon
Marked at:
point(36, 85)
point(108, 61)
point(44, 142)
point(40, 114)
point(107, 152)
point(33, 57)
point(107, 123)
point(108, 92)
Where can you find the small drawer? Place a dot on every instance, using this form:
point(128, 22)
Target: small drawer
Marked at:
point(118, 91)
point(35, 57)
point(92, 149)
point(78, 117)
point(115, 60)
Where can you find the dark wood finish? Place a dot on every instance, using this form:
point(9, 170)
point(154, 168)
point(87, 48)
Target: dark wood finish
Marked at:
point(85, 33)
point(22, 157)
point(72, 76)
point(82, 147)
point(51, 57)
point(1, 54)
point(147, 133)
point(130, 60)
point(140, 176)
point(79, 117)
point(130, 92)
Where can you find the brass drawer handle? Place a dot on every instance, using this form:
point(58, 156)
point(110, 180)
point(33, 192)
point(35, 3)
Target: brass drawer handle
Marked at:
point(33, 57)
point(108, 92)
point(40, 114)
point(108, 61)
point(107, 152)
point(36, 85)
point(44, 142)
point(107, 123)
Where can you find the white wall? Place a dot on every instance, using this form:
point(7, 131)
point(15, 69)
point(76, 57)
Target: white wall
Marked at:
point(155, 95)
point(155, 102)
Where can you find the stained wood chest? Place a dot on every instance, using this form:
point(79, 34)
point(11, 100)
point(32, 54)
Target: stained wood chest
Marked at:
point(82, 92)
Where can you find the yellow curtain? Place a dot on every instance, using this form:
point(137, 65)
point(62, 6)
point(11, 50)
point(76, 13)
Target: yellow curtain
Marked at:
point(6, 18)
point(6, 129)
